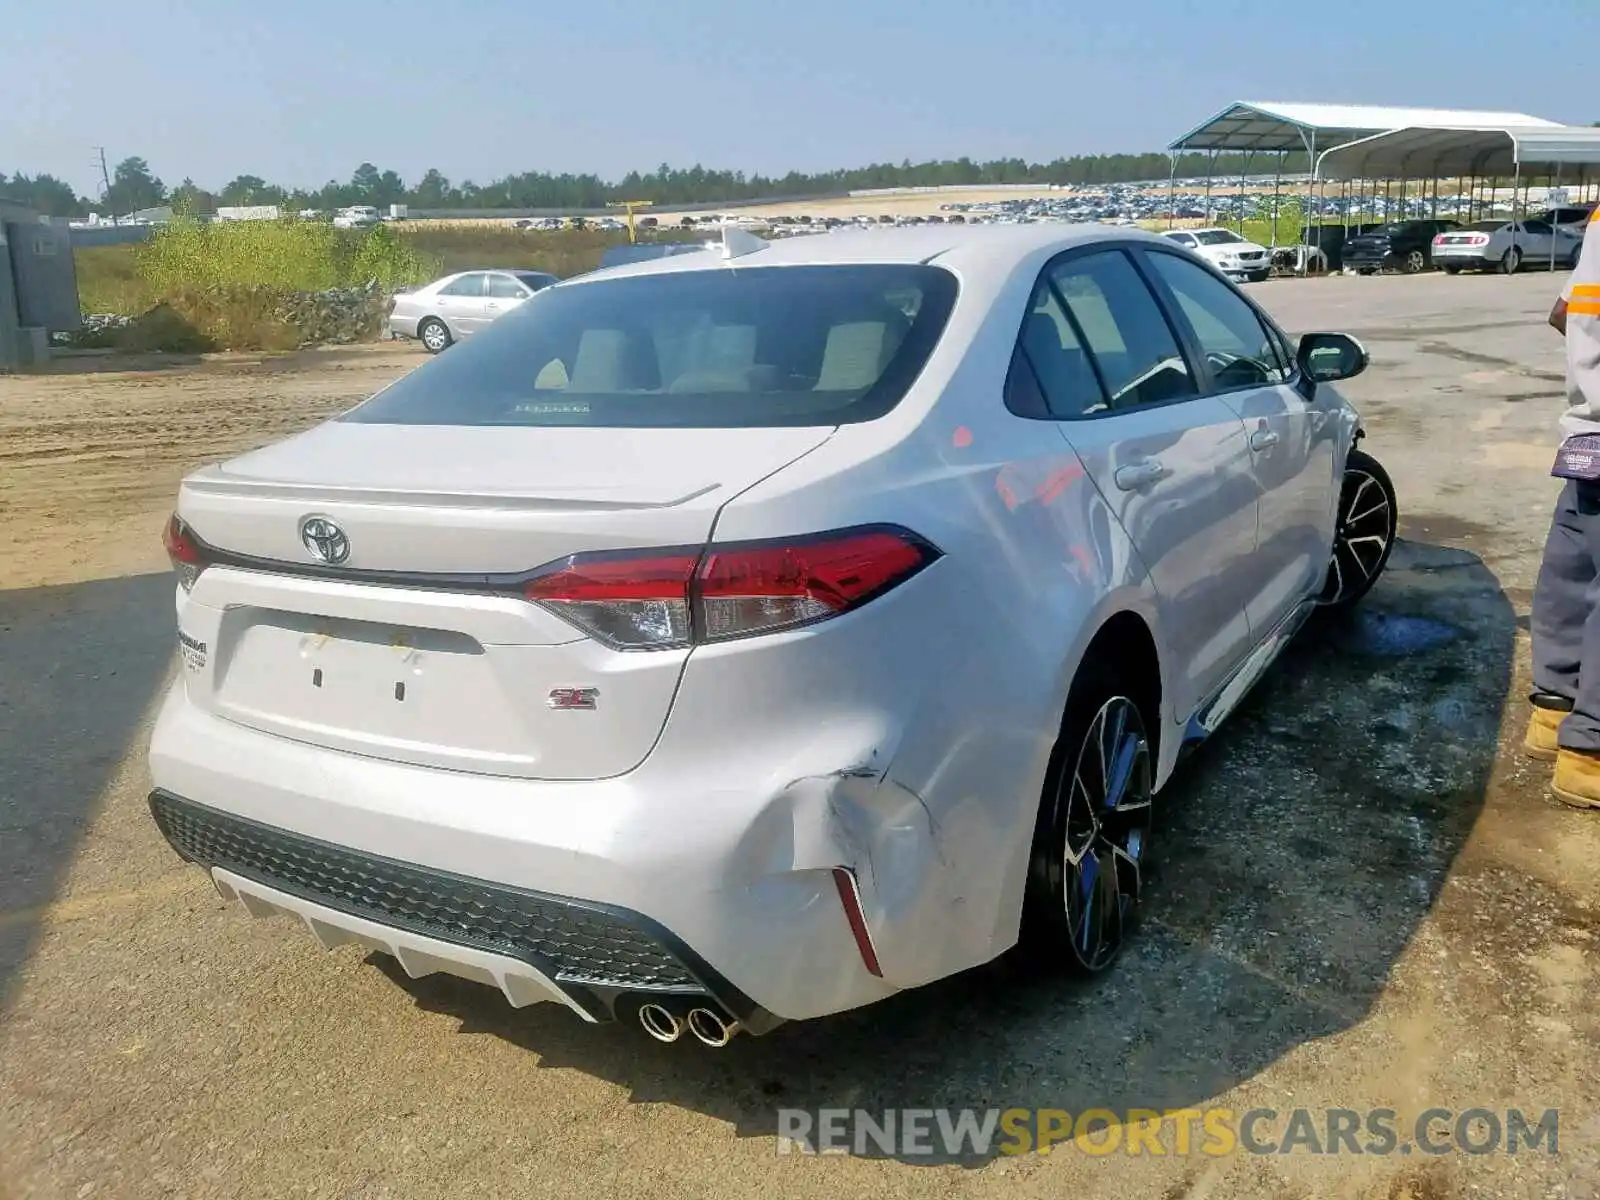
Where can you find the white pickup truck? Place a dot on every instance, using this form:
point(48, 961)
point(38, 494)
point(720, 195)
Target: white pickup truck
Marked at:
point(357, 216)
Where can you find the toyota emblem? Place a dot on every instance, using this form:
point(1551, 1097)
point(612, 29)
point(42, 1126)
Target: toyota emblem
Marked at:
point(325, 540)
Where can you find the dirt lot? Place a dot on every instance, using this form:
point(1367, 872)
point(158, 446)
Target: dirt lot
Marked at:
point(1363, 896)
point(91, 454)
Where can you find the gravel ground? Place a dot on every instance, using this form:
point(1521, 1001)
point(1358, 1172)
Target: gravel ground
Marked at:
point(1364, 897)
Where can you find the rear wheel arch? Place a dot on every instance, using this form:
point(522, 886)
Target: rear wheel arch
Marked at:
point(1123, 651)
point(1116, 687)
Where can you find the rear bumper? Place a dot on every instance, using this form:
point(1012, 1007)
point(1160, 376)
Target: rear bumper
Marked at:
point(1469, 262)
point(531, 946)
point(715, 882)
point(402, 326)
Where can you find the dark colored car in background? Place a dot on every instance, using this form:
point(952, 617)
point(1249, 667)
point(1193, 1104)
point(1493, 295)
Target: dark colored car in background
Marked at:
point(1400, 245)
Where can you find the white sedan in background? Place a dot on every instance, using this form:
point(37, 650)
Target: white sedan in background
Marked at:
point(751, 634)
point(1506, 246)
point(459, 305)
point(1226, 250)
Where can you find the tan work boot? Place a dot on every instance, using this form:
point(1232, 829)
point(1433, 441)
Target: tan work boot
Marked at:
point(1577, 779)
point(1540, 742)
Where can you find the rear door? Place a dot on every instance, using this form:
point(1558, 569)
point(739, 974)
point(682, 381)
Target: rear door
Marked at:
point(1537, 239)
point(461, 304)
point(1173, 464)
point(504, 293)
point(1292, 440)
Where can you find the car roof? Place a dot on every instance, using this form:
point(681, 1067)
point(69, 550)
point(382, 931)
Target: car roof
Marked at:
point(493, 271)
point(973, 250)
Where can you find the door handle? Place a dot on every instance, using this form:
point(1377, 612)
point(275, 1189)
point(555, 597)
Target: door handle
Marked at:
point(1139, 474)
point(1263, 439)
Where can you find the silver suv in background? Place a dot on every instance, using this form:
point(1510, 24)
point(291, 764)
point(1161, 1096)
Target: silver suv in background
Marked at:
point(459, 305)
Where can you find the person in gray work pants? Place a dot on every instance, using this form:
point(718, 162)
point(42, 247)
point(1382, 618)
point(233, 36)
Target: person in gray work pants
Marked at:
point(1565, 726)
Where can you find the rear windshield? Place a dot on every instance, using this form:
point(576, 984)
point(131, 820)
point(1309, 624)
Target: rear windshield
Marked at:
point(535, 280)
point(1486, 226)
point(725, 347)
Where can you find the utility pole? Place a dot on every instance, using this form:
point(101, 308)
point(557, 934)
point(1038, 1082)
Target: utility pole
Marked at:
point(630, 205)
point(105, 177)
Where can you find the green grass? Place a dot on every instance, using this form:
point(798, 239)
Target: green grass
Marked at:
point(309, 257)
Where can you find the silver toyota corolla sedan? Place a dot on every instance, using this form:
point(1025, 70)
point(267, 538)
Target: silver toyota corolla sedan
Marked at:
point(748, 635)
point(459, 305)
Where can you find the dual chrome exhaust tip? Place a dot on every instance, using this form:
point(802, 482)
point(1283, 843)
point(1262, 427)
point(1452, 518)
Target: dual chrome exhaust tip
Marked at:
point(706, 1024)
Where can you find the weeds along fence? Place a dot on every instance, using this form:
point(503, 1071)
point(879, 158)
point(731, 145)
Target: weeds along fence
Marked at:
point(289, 255)
point(259, 285)
point(280, 284)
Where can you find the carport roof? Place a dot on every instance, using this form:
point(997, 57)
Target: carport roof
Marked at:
point(1431, 152)
point(1271, 126)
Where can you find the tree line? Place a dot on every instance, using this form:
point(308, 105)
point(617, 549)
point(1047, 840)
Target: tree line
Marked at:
point(134, 186)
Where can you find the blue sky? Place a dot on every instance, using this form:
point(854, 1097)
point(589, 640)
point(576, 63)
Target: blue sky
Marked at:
point(301, 92)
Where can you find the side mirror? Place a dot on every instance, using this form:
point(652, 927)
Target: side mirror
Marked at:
point(1328, 357)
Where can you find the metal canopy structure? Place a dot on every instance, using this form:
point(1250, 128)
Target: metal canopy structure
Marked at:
point(1494, 150)
point(1270, 126)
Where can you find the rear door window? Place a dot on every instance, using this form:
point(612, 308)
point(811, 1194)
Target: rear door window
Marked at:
point(503, 287)
point(466, 286)
point(1134, 350)
point(1059, 361)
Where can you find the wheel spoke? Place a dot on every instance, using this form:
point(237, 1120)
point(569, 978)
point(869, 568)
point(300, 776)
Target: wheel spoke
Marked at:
point(1380, 506)
point(1361, 490)
point(1087, 880)
point(1122, 760)
point(1127, 866)
point(1084, 824)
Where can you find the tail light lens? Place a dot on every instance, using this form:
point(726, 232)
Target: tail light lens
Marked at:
point(1438, 239)
point(655, 600)
point(1480, 239)
point(184, 549)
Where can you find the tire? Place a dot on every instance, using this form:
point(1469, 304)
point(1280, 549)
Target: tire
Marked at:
point(1259, 276)
point(1452, 270)
point(1510, 261)
point(1366, 270)
point(1416, 263)
point(1086, 870)
point(1363, 534)
point(434, 334)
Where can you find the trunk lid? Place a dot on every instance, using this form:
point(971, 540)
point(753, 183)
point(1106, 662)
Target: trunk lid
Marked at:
point(414, 656)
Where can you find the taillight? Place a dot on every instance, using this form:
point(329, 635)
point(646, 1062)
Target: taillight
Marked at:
point(629, 601)
point(183, 548)
point(654, 600)
point(1480, 239)
point(1438, 239)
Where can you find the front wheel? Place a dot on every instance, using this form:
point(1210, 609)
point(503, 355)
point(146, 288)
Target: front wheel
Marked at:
point(434, 335)
point(1087, 868)
point(1364, 533)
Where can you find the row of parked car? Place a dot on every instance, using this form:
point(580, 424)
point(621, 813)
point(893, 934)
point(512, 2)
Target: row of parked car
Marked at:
point(1553, 238)
point(446, 310)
